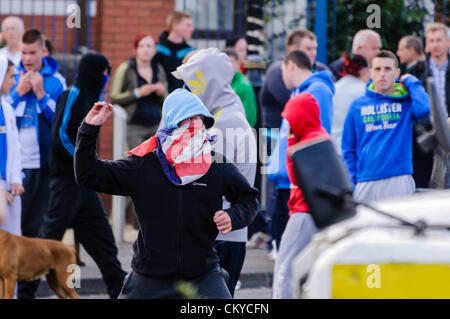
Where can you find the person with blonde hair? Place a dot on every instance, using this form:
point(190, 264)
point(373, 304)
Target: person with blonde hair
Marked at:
point(436, 47)
point(173, 46)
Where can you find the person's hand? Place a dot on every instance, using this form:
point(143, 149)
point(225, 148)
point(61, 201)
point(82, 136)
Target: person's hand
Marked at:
point(17, 189)
point(37, 82)
point(223, 221)
point(404, 77)
point(3, 211)
point(290, 133)
point(160, 89)
point(146, 89)
point(99, 113)
point(9, 198)
point(24, 85)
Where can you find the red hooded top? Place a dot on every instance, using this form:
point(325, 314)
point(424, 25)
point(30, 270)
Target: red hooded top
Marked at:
point(303, 114)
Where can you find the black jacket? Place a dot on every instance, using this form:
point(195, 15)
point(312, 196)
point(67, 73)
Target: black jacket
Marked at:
point(170, 55)
point(177, 231)
point(89, 81)
point(274, 95)
point(422, 162)
point(419, 70)
point(336, 67)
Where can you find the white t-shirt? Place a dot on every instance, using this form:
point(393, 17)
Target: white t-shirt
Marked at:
point(14, 57)
point(31, 156)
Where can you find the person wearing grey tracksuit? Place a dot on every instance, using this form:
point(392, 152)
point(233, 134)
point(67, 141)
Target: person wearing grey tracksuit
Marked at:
point(208, 74)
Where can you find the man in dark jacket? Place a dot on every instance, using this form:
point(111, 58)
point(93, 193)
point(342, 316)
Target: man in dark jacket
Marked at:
point(274, 94)
point(172, 46)
point(273, 97)
point(72, 206)
point(410, 52)
point(177, 190)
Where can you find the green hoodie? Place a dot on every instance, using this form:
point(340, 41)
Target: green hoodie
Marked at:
point(241, 85)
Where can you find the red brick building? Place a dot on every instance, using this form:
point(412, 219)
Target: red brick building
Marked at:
point(117, 24)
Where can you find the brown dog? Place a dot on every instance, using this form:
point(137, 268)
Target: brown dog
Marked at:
point(23, 258)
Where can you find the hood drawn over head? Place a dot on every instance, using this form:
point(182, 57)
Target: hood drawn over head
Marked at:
point(90, 72)
point(303, 114)
point(182, 104)
point(208, 75)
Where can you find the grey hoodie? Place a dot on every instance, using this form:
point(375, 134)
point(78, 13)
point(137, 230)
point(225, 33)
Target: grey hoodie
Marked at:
point(208, 74)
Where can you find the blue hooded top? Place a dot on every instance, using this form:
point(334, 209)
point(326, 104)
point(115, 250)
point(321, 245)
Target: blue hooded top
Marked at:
point(377, 137)
point(182, 104)
point(321, 87)
point(42, 110)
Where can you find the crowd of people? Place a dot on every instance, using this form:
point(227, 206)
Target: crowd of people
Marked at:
point(192, 162)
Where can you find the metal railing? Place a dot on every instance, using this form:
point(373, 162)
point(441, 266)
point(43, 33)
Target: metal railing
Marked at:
point(119, 142)
point(51, 16)
point(215, 21)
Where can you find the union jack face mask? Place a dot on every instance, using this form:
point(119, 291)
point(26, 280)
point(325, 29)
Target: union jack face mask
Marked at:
point(184, 152)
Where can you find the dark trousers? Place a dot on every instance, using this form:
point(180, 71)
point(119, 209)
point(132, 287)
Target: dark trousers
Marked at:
point(231, 255)
point(74, 207)
point(422, 165)
point(34, 205)
point(280, 213)
point(212, 286)
point(34, 201)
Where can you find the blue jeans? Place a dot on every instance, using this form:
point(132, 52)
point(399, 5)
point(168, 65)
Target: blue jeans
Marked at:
point(211, 285)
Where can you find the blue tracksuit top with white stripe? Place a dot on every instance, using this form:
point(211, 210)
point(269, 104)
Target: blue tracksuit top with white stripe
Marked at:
point(377, 137)
point(42, 110)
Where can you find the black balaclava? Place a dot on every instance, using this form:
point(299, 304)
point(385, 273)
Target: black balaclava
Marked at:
point(90, 72)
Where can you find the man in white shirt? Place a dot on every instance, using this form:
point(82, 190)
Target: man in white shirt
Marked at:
point(12, 32)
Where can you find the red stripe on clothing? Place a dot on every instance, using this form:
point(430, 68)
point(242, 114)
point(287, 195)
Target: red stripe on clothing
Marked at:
point(196, 166)
point(178, 145)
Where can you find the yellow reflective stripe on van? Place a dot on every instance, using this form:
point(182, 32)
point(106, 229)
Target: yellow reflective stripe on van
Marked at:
point(391, 281)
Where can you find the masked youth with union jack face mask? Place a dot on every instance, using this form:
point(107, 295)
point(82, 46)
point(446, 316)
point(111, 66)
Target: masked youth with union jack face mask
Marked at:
point(177, 189)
